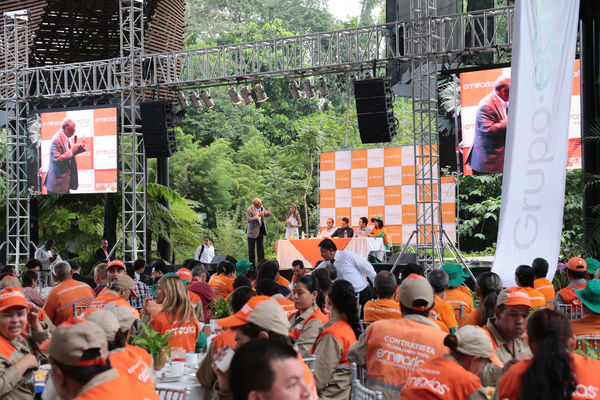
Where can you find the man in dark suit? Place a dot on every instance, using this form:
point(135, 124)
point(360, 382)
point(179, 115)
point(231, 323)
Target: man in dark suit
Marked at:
point(256, 230)
point(487, 152)
point(62, 168)
point(101, 254)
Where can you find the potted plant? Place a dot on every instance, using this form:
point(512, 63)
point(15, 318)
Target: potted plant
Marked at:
point(155, 344)
point(220, 308)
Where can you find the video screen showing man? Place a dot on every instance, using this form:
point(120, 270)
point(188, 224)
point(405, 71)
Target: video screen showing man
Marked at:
point(487, 153)
point(62, 166)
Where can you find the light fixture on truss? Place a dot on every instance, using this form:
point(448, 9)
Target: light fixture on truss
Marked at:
point(295, 90)
point(323, 89)
point(234, 95)
point(207, 99)
point(308, 89)
point(261, 95)
point(195, 101)
point(246, 95)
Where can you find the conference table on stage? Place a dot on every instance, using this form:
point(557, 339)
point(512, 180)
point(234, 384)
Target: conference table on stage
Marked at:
point(308, 251)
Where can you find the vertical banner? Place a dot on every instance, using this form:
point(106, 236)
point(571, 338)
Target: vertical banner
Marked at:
point(536, 141)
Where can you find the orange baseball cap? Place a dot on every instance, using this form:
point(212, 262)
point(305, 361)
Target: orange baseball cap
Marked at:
point(115, 264)
point(184, 274)
point(577, 264)
point(263, 311)
point(12, 297)
point(514, 296)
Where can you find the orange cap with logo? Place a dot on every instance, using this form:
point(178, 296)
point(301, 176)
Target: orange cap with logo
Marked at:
point(12, 297)
point(116, 264)
point(184, 274)
point(577, 264)
point(514, 296)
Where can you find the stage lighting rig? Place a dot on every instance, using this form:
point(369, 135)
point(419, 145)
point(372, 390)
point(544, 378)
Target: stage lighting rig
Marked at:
point(182, 100)
point(195, 101)
point(234, 95)
point(323, 89)
point(261, 95)
point(207, 99)
point(295, 90)
point(246, 95)
point(308, 89)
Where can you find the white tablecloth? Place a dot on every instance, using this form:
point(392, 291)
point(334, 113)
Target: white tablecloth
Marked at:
point(287, 253)
point(188, 382)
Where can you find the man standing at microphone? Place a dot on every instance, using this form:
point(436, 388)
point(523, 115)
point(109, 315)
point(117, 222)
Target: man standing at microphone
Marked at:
point(255, 214)
point(62, 167)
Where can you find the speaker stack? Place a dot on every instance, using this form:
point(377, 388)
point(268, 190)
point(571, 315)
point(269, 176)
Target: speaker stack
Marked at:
point(375, 110)
point(158, 120)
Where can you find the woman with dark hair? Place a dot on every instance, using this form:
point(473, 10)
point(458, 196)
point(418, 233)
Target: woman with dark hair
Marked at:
point(379, 231)
point(554, 372)
point(332, 368)
point(452, 376)
point(309, 319)
point(489, 285)
point(324, 281)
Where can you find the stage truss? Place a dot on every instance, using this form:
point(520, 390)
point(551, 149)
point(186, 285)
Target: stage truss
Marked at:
point(426, 42)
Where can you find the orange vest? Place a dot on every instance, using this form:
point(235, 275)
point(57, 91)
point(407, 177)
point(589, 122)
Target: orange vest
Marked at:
point(443, 312)
point(221, 285)
point(110, 297)
point(472, 318)
point(282, 281)
point(375, 310)
point(396, 347)
point(318, 314)
point(133, 361)
point(309, 379)
point(569, 296)
point(121, 387)
point(546, 287)
point(184, 335)
point(585, 371)
point(537, 298)
point(288, 306)
point(343, 333)
point(457, 297)
point(6, 348)
point(440, 378)
point(225, 338)
point(64, 297)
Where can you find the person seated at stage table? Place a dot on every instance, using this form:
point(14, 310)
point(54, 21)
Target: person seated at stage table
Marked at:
point(489, 285)
point(576, 273)
point(309, 318)
point(524, 278)
point(458, 294)
point(222, 281)
point(385, 307)
point(363, 229)
point(345, 230)
point(589, 296)
point(541, 283)
point(328, 231)
point(442, 312)
point(379, 231)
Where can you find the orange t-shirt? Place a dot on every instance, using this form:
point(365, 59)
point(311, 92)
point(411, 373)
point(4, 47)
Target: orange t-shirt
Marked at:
point(546, 287)
point(288, 306)
point(589, 325)
point(225, 338)
point(134, 361)
point(194, 298)
point(111, 297)
point(221, 285)
point(184, 335)
point(375, 310)
point(537, 298)
point(585, 370)
point(457, 297)
point(443, 312)
point(63, 298)
point(440, 378)
point(472, 318)
point(283, 282)
point(112, 385)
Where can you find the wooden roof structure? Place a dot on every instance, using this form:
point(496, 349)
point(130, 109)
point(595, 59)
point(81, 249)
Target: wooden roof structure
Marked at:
point(67, 31)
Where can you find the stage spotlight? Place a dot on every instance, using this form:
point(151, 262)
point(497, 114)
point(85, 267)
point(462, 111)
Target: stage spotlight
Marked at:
point(323, 90)
point(195, 101)
point(352, 79)
point(207, 99)
point(308, 89)
point(183, 103)
point(295, 90)
point(247, 96)
point(234, 95)
point(261, 96)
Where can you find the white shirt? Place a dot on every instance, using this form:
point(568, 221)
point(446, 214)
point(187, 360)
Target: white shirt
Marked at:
point(207, 254)
point(352, 268)
point(327, 233)
point(43, 256)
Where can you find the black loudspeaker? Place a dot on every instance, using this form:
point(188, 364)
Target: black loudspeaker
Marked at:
point(217, 259)
point(407, 258)
point(375, 110)
point(158, 120)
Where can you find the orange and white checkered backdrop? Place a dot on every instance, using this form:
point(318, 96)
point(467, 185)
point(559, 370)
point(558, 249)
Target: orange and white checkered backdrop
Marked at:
point(378, 182)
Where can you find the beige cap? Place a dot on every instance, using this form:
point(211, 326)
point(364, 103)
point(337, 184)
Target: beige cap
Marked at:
point(473, 341)
point(71, 339)
point(126, 282)
point(124, 315)
point(417, 288)
point(105, 320)
point(10, 281)
point(262, 311)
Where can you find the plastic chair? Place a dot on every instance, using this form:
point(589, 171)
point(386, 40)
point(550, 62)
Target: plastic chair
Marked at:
point(459, 311)
point(171, 394)
point(593, 341)
point(359, 392)
point(79, 310)
point(310, 362)
point(364, 325)
point(571, 311)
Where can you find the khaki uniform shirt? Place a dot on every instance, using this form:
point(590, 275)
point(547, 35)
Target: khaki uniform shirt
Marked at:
point(310, 330)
